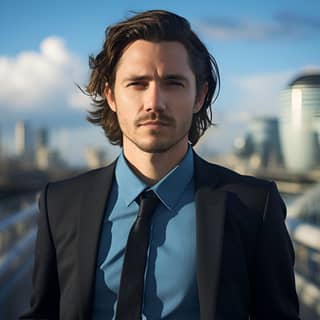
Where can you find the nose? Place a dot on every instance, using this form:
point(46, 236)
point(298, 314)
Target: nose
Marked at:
point(154, 98)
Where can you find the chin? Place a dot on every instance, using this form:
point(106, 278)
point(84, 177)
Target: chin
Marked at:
point(158, 146)
point(154, 148)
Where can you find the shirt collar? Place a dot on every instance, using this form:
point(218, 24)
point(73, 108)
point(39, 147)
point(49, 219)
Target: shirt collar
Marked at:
point(129, 185)
point(169, 189)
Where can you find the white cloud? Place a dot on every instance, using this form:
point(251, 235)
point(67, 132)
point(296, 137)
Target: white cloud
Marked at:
point(311, 69)
point(259, 93)
point(78, 100)
point(282, 25)
point(250, 30)
point(34, 80)
point(72, 143)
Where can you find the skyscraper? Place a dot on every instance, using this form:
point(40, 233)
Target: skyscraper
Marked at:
point(261, 142)
point(23, 140)
point(95, 157)
point(300, 123)
point(42, 138)
point(1, 146)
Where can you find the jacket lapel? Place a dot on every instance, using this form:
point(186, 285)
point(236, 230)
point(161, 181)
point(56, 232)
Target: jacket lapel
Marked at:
point(94, 199)
point(210, 216)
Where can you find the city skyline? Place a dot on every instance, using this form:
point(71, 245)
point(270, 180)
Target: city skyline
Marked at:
point(259, 50)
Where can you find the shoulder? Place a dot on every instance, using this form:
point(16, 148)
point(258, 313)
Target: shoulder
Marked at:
point(82, 183)
point(251, 190)
point(225, 176)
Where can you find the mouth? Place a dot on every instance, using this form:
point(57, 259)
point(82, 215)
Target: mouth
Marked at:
point(154, 124)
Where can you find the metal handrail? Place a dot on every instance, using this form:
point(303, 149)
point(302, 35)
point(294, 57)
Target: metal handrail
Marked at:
point(12, 261)
point(15, 226)
point(20, 215)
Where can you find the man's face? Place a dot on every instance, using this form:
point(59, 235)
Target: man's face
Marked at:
point(154, 96)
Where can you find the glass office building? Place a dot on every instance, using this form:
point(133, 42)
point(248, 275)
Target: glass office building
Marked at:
point(261, 141)
point(300, 123)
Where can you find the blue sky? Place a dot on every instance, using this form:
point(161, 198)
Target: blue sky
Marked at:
point(259, 47)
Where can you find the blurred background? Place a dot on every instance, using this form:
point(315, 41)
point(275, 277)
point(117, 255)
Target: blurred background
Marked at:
point(267, 115)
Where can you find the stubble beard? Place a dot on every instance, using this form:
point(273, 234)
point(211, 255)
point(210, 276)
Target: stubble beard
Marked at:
point(157, 147)
point(160, 144)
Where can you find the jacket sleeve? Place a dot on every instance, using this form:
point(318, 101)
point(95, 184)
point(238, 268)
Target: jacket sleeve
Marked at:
point(273, 284)
point(45, 295)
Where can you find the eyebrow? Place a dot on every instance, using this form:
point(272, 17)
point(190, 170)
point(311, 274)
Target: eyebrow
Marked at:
point(177, 77)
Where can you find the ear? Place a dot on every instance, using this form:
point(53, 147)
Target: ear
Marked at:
point(201, 95)
point(109, 97)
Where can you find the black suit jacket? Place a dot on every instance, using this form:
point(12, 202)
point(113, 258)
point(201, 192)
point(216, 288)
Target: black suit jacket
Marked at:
point(244, 254)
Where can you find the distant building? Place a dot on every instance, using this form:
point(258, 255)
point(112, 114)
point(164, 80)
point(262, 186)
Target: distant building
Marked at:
point(23, 141)
point(48, 159)
point(42, 153)
point(42, 138)
point(300, 123)
point(95, 157)
point(261, 143)
point(1, 147)
point(43, 158)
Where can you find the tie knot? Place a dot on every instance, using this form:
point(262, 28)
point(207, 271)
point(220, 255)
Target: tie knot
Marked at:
point(147, 194)
point(148, 202)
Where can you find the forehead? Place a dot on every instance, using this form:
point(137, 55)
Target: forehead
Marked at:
point(142, 56)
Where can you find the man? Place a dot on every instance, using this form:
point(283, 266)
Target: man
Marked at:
point(217, 246)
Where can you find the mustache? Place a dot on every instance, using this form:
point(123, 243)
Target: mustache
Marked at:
point(154, 116)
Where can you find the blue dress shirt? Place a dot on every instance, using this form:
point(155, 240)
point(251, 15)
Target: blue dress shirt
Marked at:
point(170, 279)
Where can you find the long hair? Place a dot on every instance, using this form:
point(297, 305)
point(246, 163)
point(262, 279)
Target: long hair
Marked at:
point(154, 26)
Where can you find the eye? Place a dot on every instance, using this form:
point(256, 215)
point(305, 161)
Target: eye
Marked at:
point(175, 83)
point(137, 84)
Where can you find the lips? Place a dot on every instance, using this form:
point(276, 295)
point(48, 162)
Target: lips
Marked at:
point(154, 123)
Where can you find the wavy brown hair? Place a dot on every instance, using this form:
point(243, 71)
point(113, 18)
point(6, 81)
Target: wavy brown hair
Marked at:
point(155, 26)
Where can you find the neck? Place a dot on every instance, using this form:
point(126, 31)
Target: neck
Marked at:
point(151, 167)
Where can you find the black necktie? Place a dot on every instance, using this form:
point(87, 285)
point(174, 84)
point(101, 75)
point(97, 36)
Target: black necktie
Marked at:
point(132, 276)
